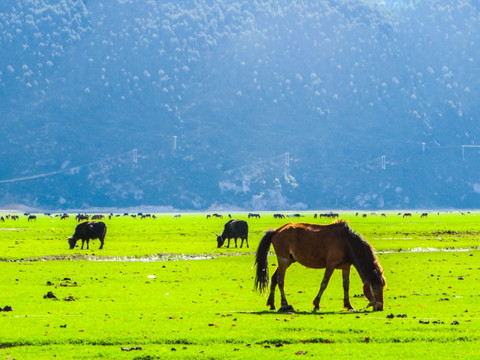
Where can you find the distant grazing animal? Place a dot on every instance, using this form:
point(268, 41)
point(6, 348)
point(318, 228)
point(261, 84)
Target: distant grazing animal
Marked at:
point(329, 215)
point(233, 229)
point(424, 215)
point(88, 230)
point(253, 215)
point(64, 216)
point(334, 246)
point(177, 216)
point(294, 215)
point(97, 217)
point(31, 217)
point(407, 214)
point(2, 219)
point(278, 216)
point(81, 217)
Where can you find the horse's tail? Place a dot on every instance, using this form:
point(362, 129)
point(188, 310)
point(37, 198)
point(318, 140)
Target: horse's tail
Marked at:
point(261, 261)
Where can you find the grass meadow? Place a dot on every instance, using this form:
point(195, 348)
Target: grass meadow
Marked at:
point(160, 289)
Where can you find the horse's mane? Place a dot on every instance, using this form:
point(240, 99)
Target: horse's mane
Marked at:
point(363, 256)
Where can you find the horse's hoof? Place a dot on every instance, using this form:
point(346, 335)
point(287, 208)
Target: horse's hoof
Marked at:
point(286, 309)
point(316, 308)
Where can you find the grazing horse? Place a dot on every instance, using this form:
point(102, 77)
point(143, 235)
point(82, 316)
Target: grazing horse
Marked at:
point(333, 246)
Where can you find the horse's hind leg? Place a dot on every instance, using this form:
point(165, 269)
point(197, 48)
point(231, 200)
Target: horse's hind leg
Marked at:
point(346, 285)
point(271, 297)
point(283, 265)
point(323, 286)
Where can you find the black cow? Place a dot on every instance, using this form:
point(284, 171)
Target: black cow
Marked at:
point(233, 229)
point(81, 217)
point(88, 230)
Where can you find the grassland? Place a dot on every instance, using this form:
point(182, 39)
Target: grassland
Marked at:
point(161, 289)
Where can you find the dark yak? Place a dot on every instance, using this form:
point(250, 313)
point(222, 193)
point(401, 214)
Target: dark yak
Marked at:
point(88, 230)
point(233, 229)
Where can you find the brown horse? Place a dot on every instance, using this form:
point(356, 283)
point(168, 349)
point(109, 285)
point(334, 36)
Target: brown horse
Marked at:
point(334, 246)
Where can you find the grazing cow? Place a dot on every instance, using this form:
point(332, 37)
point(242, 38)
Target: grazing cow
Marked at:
point(31, 217)
point(233, 229)
point(294, 215)
point(81, 217)
point(88, 230)
point(2, 219)
point(329, 215)
point(279, 216)
point(253, 215)
point(407, 215)
point(424, 215)
point(98, 217)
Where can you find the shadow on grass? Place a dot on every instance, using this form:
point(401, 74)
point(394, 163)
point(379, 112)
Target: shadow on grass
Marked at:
point(309, 313)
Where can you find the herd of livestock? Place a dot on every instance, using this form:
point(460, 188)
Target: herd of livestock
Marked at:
point(90, 228)
point(309, 244)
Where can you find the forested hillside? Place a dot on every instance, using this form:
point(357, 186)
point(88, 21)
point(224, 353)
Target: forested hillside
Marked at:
point(240, 104)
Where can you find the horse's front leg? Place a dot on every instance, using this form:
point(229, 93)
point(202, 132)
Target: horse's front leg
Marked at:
point(323, 286)
point(346, 285)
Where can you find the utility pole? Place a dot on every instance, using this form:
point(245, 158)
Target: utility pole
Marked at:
point(135, 156)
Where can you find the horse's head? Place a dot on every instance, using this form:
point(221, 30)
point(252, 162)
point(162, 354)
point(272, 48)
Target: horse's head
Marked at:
point(374, 293)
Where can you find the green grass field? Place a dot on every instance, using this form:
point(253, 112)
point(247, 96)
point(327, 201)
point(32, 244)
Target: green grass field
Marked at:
point(161, 289)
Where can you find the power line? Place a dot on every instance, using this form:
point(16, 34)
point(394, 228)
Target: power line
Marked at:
point(63, 171)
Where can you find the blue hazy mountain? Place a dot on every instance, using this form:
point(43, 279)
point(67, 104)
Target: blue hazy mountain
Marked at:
point(256, 105)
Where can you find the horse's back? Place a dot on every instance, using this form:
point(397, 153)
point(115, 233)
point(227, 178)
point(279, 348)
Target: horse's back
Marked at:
point(312, 245)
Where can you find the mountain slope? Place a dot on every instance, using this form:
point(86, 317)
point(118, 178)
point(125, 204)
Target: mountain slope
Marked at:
point(311, 104)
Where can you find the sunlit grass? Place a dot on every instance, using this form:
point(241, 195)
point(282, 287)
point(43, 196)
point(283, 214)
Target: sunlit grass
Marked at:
point(208, 309)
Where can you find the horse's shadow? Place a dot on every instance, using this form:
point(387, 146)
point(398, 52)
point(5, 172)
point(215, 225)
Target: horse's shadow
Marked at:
point(305, 312)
